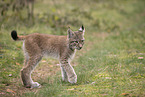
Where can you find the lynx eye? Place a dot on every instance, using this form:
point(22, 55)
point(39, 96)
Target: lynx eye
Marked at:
point(82, 40)
point(74, 41)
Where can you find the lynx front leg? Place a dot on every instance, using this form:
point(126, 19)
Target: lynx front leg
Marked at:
point(64, 74)
point(68, 71)
point(26, 73)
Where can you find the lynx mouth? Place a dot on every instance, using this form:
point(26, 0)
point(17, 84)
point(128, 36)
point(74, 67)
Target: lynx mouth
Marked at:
point(79, 48)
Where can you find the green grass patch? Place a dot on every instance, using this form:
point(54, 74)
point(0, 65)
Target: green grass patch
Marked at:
point(111, 63)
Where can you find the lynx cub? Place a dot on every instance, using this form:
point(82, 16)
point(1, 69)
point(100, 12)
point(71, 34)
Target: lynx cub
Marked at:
point(36, 45)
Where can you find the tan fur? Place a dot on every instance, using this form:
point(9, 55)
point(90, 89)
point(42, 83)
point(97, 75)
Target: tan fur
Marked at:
point(63, 48)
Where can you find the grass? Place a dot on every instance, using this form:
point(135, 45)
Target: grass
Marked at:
point(111, 63)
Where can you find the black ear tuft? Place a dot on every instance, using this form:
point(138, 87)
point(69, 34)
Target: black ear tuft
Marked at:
point(82, 27)
point(14, 35)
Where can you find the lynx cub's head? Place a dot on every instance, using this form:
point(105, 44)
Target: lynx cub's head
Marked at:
point(76, 39)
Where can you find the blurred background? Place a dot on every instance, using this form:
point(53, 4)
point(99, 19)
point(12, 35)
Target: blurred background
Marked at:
point(111, 62)
point(54, 16)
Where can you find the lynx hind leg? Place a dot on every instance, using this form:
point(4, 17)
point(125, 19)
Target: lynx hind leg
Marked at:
point(26, 73)
point(26, 58)
point(26, 55)
point(71, 75)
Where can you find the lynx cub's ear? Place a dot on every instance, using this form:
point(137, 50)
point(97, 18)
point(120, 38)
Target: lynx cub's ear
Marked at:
point(70, 33)
point(82, 29)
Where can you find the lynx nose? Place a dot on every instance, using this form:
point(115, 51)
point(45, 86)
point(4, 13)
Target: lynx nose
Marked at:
point(80, 46)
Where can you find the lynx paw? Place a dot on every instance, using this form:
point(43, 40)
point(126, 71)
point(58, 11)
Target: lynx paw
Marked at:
point(72, 79)
point(65, 79)
point(35, 85)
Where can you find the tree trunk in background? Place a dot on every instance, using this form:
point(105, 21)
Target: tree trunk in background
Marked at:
point(30, 9)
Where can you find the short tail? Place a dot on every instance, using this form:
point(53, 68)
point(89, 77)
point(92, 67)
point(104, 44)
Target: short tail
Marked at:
point(15, 36)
